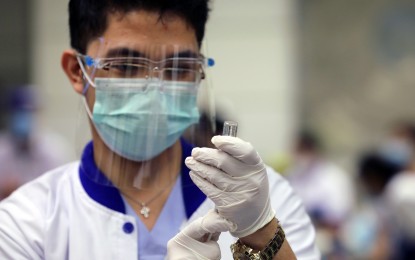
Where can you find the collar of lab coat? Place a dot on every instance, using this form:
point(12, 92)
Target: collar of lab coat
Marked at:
point(100, 188)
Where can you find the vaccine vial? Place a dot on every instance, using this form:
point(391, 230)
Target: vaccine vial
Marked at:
point(230, 128)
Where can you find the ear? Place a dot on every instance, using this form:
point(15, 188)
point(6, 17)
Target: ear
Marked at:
point(72, 70)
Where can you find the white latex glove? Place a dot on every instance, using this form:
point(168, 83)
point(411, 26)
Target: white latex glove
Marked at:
point(199, 239)
point(235, 179)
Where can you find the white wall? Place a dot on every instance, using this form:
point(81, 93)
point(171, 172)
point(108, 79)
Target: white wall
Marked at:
point(253, 43)
point(50, 36)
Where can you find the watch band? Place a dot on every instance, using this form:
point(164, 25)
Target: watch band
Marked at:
point(241, 251)
point(274, 245)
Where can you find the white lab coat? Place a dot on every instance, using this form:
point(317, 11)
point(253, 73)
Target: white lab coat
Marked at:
point(53, 217)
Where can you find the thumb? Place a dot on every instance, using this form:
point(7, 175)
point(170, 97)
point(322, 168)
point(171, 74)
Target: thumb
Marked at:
point(211, 223)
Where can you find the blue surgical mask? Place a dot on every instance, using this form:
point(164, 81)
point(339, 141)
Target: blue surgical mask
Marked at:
point(138, 118)
point(397, 151)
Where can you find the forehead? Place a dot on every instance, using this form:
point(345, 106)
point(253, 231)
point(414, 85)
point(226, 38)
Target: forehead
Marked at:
point(145, 32)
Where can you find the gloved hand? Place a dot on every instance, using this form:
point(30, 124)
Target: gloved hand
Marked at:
point(235, 179)
point(194, 241)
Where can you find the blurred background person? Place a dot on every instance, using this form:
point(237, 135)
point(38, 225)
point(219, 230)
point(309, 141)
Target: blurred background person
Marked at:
point(371, 232)
point(400, 199)
point(400, 193)
point(365, 234)
point(399, 145)
point(26, 151)
point(326, 189)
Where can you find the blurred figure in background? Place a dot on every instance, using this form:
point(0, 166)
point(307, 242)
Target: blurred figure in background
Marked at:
point(374, 173)
point(25, 150)
point(399, 145)
point(400, 194)
point(400, 197)
point(326, 189)
point(373, 231)
point(366, 234)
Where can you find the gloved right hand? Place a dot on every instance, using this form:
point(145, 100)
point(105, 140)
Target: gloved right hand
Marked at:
point(199, 239)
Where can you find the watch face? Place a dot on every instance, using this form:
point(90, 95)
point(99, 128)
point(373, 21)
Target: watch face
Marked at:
point(240, 256)
point(242, 252)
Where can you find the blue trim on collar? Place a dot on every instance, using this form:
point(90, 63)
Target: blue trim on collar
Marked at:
point(96, 184)
point(100, 188)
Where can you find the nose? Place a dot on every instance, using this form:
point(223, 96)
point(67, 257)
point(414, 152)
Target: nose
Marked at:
point(155, 72)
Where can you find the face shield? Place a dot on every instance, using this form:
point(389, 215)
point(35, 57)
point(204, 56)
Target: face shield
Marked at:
point(140, 100)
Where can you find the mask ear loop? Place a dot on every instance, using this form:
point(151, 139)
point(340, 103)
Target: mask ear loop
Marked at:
point(85, 75)
point(89, 62)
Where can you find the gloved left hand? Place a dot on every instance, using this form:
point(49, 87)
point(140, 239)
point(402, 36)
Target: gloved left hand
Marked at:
point(235, 179)
point(199, 239)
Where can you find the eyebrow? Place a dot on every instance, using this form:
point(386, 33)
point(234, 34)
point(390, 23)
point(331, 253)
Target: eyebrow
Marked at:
point(132, 53)
point(184, 54)
point(124, 52)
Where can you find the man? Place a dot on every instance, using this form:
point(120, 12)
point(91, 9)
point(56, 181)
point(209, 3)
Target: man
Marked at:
point(138, 66)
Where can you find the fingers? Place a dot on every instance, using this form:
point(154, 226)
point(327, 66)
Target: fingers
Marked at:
point(211, 223)
point(210, 173)
point(219, 197)
point(221, 160)
point(237, 148)
point(206, 187)
point(183, 247)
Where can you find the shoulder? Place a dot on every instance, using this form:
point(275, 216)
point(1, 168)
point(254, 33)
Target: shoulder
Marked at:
point(43, 185)
point(37, 197)
point(23, 215)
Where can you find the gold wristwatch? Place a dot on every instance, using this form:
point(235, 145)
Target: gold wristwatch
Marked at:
point(243, 252)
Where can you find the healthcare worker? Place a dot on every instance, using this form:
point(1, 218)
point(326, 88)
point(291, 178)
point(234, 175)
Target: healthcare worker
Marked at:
point(138, 67)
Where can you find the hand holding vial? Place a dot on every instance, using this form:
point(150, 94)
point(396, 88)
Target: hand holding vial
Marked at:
point(234, 177)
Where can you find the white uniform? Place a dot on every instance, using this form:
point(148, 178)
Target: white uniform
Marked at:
point(55, 217)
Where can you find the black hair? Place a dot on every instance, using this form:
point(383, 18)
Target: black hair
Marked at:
point(308, 140)
point(88, 18)
point(205, 123)
point(376, 172)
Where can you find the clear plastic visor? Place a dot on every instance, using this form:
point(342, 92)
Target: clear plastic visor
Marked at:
point(140, 101)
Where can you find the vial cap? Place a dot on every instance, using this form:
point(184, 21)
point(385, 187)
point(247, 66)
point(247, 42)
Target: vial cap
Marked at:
point(230, 128)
